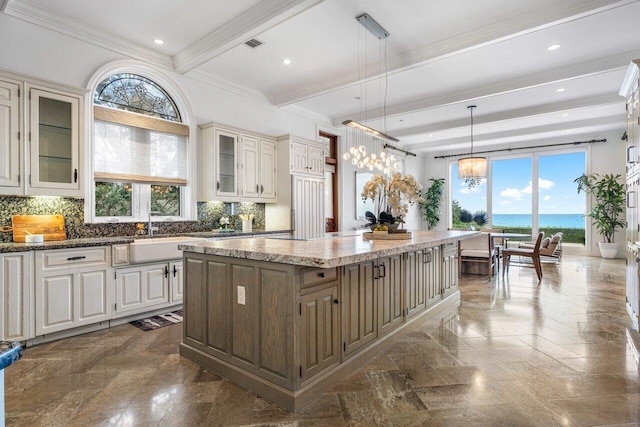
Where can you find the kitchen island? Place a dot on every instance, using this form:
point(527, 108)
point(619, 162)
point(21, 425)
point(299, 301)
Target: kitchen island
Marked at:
point(287, 319)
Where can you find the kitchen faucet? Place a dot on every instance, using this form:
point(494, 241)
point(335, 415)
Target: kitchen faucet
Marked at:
point(150, 227)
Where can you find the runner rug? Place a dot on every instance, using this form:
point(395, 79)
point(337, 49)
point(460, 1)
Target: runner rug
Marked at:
point(160, 321)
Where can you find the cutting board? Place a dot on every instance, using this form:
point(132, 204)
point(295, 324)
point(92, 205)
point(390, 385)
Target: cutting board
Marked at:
point(51, 226)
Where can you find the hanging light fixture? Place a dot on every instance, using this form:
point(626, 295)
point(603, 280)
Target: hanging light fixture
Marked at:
point(472, 169)
point(367, 146)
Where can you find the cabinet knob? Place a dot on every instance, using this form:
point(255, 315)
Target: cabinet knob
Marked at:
point(75, 175)
point(321, 274)
point(218, 185)
point(336, 301)
point(261, 189)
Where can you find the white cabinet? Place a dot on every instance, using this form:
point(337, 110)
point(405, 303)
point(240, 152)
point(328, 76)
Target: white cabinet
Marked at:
point(307, 205)
point(16, 296)
point(219, 164)
point(43, 147)
point(10, 124)
point(73, 287)
point(176, 281)
point(307, 157)
point(258, 169)
point(140, 288)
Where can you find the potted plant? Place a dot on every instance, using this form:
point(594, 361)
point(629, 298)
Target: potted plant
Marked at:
point(431, 204)
point(607, 211)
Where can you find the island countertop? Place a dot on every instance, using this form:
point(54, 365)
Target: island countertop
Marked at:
point(324, 252)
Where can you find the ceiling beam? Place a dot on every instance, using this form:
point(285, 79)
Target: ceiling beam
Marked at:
point(245, 26)
point(528, 23)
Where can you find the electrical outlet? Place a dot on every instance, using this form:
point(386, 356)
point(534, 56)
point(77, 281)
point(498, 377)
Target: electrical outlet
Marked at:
point(241, 296)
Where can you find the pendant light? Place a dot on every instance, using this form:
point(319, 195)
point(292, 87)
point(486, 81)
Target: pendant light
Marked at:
point(472, 169)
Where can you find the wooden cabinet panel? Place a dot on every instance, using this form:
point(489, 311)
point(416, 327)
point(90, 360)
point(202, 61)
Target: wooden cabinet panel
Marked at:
point(390, 293)
point(244, 315)
point(415, 283)
point(195, 301)
point(268, 170)
point(156, 283)
point(433, 283)
point(10, 166)
point(315, 161)
point(54, 304)
point(359, 306)
point(250, 168)
point(140, 287)
point(449, 269)
point(176, 281)
point(94, 297)
point(16, 296)
point(319, 348)
point(299, 157)
point(275, 322)
point(218, 306)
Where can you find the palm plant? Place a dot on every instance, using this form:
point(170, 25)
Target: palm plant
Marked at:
point(609, 200)
point(431, 204)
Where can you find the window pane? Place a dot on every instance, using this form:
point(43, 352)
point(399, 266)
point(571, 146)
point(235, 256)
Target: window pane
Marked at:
point(165, 200)
point(113, 199)
point(468, 205)
point(362, 206)
point(511, 194)
point(560, 206)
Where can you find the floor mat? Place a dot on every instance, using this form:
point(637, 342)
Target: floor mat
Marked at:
point(160, 321)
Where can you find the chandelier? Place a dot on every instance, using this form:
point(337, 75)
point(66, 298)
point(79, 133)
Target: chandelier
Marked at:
point(367, 147)
point(472, 169)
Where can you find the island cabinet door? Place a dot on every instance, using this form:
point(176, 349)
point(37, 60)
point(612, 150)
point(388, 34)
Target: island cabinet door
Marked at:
point(390, 293)
point(415, 283)
point(319, 344)
point(449, 269)
point(433, 260)
point(359, 306)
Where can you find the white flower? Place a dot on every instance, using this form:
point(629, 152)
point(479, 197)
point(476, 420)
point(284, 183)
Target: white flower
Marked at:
point(224, 220)
point(393, 194)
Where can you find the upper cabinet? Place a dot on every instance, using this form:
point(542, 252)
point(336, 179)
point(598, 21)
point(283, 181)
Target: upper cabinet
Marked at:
point(307, 157)
point(54, 135)
point(236, 165)
point(44, 146)
point(630, 90)
point(10, 123)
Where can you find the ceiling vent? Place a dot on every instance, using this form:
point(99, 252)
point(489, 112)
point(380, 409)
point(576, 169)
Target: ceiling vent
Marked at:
point(253, 43)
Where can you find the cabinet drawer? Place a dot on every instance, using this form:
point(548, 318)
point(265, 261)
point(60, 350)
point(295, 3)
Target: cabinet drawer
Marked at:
point(449, 249)
point(316, 276)
point(74, 257)
point(120, 255)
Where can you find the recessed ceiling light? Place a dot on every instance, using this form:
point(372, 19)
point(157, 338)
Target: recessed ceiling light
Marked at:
point(158, 41)
point(430, 135)
point(286, 61)
point(568, 130)
point(554, 46)
point(565, 115)
point(560, 90)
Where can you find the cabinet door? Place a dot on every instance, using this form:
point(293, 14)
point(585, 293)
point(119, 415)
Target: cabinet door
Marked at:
point(55, 303)
point(250, 168)
point(319, 332)
point(16, 296)
point(226, 165)
point(141, 287)
point(177, 281)
point(359, 306)
point(94, 297)
point(54, 121)
point(10, 170)
point(315, 161)
point(267, 170)
point(415, 282)
point(432, 260)
point(449, 269)
point(156, 280)
point(390, 293)
point(299, 157)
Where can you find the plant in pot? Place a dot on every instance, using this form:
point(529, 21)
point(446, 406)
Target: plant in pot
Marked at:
point(607, 211)
point(431, 205)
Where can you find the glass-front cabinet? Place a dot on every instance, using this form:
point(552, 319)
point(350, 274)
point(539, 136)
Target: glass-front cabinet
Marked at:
point(54, 134)
point(227, 159)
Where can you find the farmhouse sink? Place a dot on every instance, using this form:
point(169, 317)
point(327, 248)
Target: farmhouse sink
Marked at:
point(158, 248)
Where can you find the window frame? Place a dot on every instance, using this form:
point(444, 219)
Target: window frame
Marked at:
point(141, 193)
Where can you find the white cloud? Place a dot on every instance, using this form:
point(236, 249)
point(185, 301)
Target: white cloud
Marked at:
point(543, 184)
point(547, 197)
point(511, 192)
point(506, 202)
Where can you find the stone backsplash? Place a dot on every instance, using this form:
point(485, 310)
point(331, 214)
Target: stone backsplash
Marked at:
point(209, 214)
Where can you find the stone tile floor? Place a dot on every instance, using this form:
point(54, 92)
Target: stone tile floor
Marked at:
point(516, 353)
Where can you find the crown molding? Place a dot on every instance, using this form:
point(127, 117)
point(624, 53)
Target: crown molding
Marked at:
point(498, 32)
point(4, 4)
point(630, 79)
point(303, 112)
point(245, 26)
point(64, 25)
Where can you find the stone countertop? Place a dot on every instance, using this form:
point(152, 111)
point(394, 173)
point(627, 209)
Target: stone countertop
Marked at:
point(327, 252)
point(10, 352)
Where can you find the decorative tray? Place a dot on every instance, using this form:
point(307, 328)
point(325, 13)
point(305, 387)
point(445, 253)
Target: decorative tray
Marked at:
point(392, 235)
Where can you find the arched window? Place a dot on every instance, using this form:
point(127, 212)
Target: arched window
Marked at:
point(140, 151)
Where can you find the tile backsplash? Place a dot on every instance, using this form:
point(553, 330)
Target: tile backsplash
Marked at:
point(209, 214)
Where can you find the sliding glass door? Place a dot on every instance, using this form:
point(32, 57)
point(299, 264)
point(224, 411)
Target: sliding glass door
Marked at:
point(511, 207)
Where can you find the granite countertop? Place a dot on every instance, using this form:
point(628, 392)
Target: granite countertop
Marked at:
point(333, 251)
point(10, 352)
point(107, 241)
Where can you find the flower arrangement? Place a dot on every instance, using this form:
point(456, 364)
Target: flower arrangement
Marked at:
point(392, 195)
point(224, 221)
point(247, 217)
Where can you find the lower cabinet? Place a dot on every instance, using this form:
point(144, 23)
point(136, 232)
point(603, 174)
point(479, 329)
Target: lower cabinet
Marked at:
point(141, 287)
point(433, 282)
point(16, 296)
point(176, 281)
point(73, 287)
point(449, 271)
point(319, 336)
point(359, 306)
point(390, 293)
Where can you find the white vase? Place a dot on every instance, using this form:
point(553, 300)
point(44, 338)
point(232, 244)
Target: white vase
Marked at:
point(608, 250)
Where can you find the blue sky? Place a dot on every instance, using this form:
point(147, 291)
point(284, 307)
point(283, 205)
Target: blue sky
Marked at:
point(512, 186)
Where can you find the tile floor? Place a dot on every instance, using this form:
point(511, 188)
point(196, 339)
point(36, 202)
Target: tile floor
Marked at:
point(516, 353)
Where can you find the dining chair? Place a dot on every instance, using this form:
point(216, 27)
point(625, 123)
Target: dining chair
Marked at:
point(533, 253)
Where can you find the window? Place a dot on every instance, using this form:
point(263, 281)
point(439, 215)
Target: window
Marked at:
point(466, 203)
point(140, 151)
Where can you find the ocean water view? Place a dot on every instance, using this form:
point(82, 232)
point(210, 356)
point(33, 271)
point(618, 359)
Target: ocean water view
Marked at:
point(544, 220)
